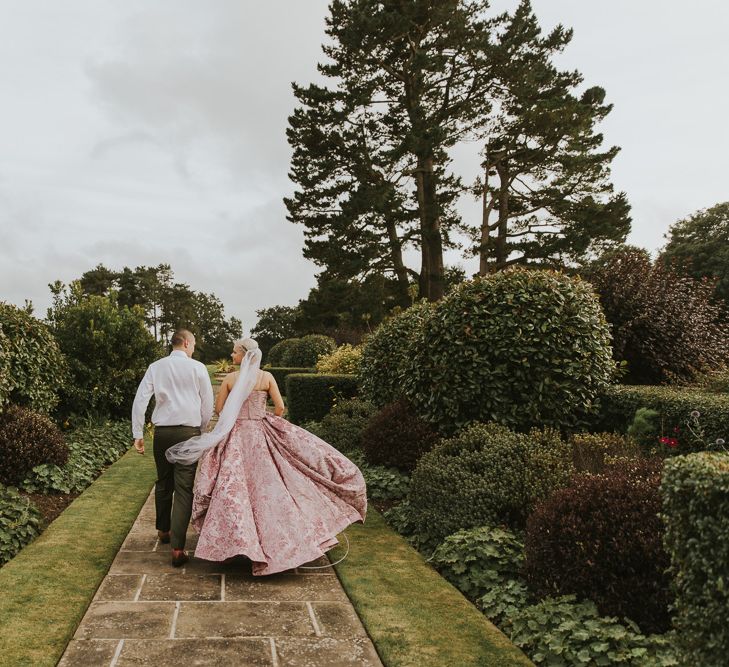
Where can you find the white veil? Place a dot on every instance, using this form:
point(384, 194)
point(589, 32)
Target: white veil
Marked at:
point(189, 451)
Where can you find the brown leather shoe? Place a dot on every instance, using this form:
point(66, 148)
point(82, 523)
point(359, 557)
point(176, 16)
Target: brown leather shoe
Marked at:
point(164, 538)
point(179, 557)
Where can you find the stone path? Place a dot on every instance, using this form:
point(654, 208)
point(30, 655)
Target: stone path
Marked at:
point(148, 613)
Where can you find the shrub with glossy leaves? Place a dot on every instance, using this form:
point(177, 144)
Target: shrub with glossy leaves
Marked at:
point(32, 368)
point(602, 539)
point(345, 359)
point(396, 436)
point(476, 559)
point(521, 347)
point(695, 492)
point(27, 439)
point(487, 475)
point(665, 325)
point(108, 348)
point(386, 354)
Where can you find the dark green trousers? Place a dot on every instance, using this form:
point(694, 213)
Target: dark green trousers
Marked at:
point(173, 489)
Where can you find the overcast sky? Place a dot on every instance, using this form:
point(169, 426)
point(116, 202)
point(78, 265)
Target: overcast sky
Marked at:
point(141, 132)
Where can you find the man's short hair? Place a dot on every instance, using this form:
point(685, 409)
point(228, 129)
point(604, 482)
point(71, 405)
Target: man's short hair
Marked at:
point(180, 336)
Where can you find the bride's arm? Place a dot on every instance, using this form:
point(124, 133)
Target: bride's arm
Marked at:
point(223, 394)
point(275, 394)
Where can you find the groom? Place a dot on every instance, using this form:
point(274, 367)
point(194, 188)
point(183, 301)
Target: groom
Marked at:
point(183, 406)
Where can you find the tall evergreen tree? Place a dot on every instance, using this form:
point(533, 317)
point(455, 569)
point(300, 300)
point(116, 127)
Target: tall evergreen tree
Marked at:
point(408, 80)
point(546, 193)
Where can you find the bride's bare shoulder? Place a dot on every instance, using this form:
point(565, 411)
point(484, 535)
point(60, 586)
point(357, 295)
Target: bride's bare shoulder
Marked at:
point(230, 378)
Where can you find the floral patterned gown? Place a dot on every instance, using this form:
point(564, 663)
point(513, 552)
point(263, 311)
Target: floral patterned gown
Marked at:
point(273, 492)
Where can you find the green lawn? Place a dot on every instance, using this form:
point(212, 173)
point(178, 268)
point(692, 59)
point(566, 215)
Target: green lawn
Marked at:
point(415, 617)
point(47, 587)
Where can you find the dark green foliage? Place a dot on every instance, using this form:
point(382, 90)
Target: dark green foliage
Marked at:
point(477, 559)
point(32, 368)
point(280, 373)
point(562, 632)
point(400, 518)
point(522, 347)
point(602, 539)
point(504, 600)
point(487, 475)
point(695, 493)
point(91, 448)
point(674, 405)
point(343, 426)
point(108, 349)
point(666, 326)
point(301, 352)
point(699, 245)
point(383, 482)
point(27, 439)
point(396, 436)
point(592, 452)
point(310, 397)
point(386, 355)
point(20, 523)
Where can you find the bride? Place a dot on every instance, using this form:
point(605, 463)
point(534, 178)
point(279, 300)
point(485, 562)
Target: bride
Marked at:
point(265, 488)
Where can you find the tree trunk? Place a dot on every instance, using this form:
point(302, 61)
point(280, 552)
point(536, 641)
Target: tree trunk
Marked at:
point(483, 268)
point(502, 168)
point(432, 284)
point(401, 271)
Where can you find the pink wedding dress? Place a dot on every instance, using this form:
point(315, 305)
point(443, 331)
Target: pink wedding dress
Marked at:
point(273, 492)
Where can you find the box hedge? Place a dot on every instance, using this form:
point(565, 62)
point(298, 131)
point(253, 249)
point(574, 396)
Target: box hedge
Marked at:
point(619, 403)
point(310, 397)
point(280, 373)
point(695, 492)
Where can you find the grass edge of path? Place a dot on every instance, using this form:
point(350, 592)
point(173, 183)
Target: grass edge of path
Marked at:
point(47, 588)
point(412, 614)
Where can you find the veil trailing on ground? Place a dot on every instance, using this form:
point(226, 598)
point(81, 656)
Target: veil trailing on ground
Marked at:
point(191, 450)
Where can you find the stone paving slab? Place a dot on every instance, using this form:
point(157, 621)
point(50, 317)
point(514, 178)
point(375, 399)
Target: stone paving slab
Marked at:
point(148, 613)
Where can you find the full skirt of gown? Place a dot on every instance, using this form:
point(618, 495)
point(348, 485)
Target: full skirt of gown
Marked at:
point(273, 492)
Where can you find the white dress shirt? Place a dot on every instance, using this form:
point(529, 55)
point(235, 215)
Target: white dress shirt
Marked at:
point(182, 391)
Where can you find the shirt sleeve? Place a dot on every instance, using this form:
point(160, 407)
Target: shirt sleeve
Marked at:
point(206, 398)
point(141, 400)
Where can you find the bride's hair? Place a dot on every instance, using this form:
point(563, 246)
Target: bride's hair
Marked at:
point(246, 343)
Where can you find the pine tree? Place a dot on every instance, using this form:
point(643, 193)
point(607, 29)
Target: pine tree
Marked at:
point(546, 194)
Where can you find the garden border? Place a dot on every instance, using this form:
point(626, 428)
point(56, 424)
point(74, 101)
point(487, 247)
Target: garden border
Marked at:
point(412, 614)
point(48, 586)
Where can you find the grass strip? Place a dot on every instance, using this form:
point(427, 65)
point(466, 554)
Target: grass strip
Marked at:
point(46, 589)
point(414, 616)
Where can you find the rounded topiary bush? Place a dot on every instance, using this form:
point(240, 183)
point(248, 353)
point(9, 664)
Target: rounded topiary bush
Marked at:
point(601, 538)
point(397, 437)
point(345, 360)
point(520, 347)
point(27, 439)
point(487, 475)
point(32, 369)
point(343, 426)
point(301, 352)
point(386, 354)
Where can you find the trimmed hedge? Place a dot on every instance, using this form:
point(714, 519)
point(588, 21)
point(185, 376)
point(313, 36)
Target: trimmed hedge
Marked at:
point(619, 404)
point(487, 475)
point(280, 373)
point(695, 492)
point(601, 538)
point(310, 397)
point(524, 348)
